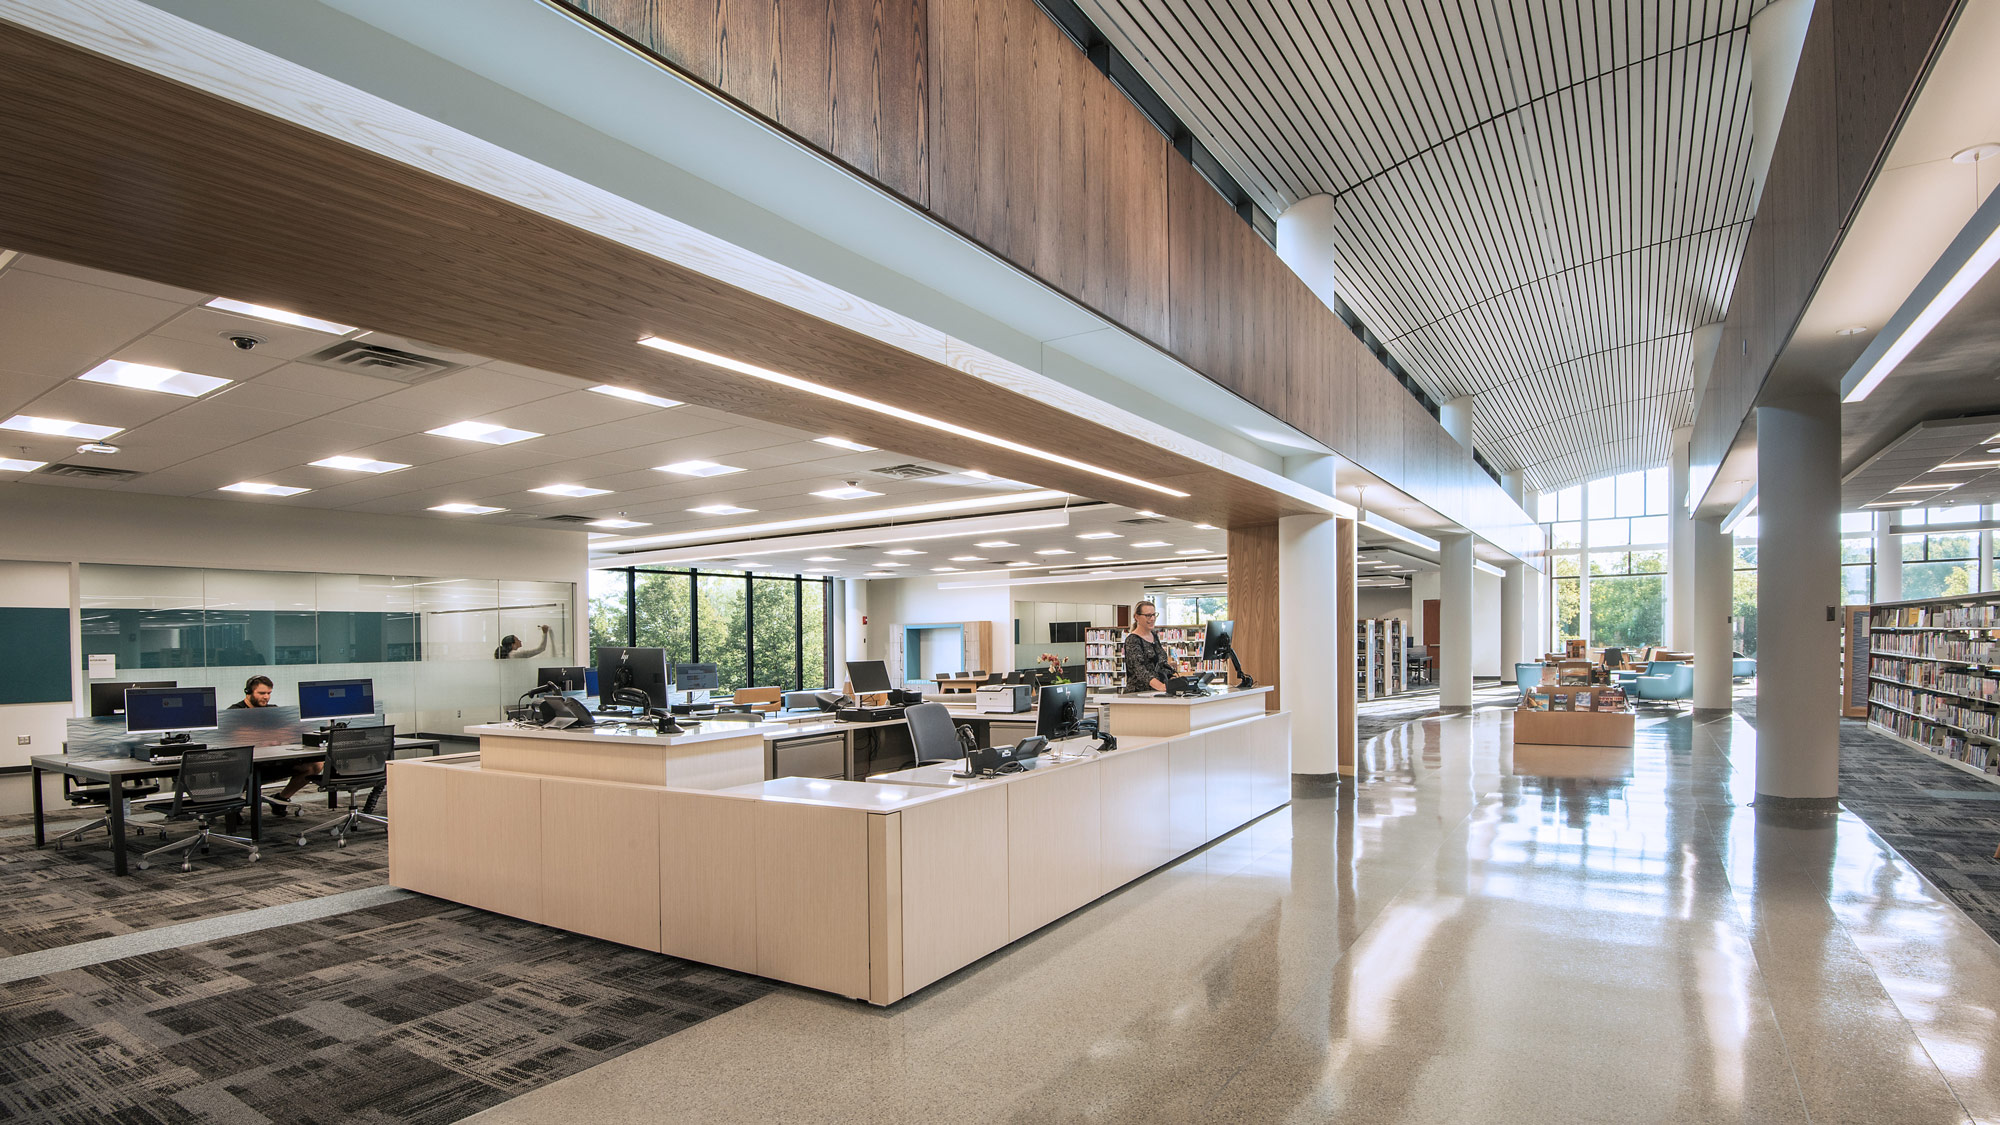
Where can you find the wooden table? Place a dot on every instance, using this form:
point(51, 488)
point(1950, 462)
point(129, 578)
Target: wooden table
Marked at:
point(1574, 728)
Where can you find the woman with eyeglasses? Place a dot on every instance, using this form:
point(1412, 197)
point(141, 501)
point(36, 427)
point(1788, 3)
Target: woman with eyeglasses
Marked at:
point(1147, 665)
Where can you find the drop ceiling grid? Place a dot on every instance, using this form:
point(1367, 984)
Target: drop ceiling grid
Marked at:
point(1521, 185)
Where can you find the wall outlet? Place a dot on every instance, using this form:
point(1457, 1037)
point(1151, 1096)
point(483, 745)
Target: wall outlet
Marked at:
point(461, 714)
point(24, 739)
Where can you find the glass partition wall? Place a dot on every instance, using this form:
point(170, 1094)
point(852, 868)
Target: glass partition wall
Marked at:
point(758, 630)
point(430, 644)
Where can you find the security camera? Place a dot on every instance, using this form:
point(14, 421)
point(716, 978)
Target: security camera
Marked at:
point(245, 343)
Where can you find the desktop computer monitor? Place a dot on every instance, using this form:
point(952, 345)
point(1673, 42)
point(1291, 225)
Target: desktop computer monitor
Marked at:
point(1216, 645)
point(697, 677)
point(567, 678)
point(1058, 709)
point(641, 668)
point(159, 710)
point(336, 699)
point(869, 677)
point(109, 699)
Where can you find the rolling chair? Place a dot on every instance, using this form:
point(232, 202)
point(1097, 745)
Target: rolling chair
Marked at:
point(356, 759)
point(211, 783)
point(93, 795)
point(934, 738)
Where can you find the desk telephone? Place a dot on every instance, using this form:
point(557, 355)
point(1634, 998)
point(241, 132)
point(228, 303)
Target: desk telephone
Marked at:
point(991, 760)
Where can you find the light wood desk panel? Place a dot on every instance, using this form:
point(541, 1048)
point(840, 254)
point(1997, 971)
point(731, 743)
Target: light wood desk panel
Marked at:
point(708, 865)
point(601, 860)
point(713, 763)
point(812, 896)
point(1159, 715)
point(469, 835)
point(1054, 846)
point(955, 861)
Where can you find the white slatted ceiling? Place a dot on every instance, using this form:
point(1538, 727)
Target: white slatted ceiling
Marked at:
point(1538, 201)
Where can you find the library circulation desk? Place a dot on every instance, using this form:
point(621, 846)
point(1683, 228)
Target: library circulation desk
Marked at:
point(870, 889)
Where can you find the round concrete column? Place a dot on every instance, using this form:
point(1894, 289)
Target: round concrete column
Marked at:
point(1798, 588)
point(1888, 560)
point(1511, 587)
point(1455, 415)
point(1305, 243)
point(1714, 595)
point(1455, 620)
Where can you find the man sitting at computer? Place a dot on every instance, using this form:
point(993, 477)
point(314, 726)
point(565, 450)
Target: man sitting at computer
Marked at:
point(257, 693)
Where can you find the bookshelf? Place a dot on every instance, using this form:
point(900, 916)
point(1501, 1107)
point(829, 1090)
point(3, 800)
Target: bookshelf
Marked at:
point(1379, 656)
point(1934, 677)
point(1104, 654)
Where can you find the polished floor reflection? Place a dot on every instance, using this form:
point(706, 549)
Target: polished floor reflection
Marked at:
point(1473, 932)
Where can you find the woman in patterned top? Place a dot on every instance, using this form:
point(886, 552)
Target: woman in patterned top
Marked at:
point(1147, 665)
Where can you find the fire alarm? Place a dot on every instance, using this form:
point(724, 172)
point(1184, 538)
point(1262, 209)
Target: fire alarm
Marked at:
point(864, 619)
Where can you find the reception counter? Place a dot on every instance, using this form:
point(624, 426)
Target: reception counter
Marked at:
point(1154, 714)
point(731, 754)
point(869, 889)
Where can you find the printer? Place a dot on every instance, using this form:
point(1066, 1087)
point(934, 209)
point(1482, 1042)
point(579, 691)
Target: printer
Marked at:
point(1003, 699)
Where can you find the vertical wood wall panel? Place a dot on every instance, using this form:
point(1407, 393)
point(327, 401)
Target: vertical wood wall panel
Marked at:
point(805, 81)
point(749, 53)
point(1253, 603)
point(902, 91)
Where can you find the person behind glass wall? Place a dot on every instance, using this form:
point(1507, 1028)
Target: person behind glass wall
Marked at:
point(257, 693)
point(1147, 665)
point(510, 646)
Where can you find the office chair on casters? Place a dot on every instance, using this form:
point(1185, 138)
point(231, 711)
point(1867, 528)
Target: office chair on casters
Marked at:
point(97, 795)
point(211, 783)
point(356, 759)
point(933, 736)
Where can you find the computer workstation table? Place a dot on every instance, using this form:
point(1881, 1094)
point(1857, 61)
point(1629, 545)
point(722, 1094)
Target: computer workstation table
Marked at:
point(868, 889)
point(119, 771)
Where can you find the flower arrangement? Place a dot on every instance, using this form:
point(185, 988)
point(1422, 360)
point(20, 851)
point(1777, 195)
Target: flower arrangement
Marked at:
point(1055, 666)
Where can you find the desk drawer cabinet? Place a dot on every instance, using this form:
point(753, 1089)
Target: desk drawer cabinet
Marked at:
point(820, 756)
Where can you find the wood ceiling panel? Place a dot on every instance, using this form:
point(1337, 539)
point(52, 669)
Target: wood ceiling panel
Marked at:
point(1523, 187)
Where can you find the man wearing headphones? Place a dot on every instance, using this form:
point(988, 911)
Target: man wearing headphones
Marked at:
point(257, 693)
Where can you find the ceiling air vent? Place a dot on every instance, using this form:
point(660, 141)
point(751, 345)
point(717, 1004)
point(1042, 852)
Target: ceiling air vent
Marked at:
point(908, 472)
point(87, 472)
point(568, 519)
point(1142, 520)
point(382, 363)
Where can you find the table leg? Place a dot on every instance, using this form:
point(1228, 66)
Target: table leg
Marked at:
point(256, 810)
point(35, 779)
point(115, 810)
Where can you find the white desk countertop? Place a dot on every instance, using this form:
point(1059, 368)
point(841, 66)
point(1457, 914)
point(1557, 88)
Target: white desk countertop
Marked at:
point(1158, 699)
point(606, 732)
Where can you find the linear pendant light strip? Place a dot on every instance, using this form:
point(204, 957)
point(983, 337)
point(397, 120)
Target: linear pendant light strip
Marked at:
point(1971, 254)
point(799, 384)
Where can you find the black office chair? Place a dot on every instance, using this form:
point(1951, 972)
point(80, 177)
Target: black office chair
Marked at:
point(98, 795)
point(356, 758)
point(212, 783)
point(933, 736)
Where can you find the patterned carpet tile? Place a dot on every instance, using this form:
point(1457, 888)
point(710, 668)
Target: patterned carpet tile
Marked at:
point(413, 1011)
point(51, 898)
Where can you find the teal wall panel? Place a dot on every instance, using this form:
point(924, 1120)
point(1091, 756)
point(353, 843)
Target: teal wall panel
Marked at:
point(34, 655)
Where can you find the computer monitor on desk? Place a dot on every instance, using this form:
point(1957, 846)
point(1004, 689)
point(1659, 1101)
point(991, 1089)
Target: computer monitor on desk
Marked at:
point(1058, 709)
point(869, 677)
point(171, 712)
point(109, 699)
point(644, 669)
point(568, 679)
point(336, 699)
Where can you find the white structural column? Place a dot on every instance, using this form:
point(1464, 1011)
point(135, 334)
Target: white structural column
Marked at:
point(1305, 243)
point(1512, 581)
point(1680, 547)
point(854, 634)
point(1798, 586)
point(1888, 560)
point(1713, 569)
point(1310, 642)
point(1777, 36)
point(1455, 415)
point(1455, 620)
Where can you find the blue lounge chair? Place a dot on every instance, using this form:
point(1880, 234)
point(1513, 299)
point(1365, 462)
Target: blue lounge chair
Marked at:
point(1666, 682)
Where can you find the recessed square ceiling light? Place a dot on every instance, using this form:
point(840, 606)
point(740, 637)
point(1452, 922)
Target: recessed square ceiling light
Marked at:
point(879, 574)
point(826, 558)
point(260, 489)
point(1926, 487)
point(843, 443)
point(467, 509)
point(1147, 514)
point(616, 524)
point(141, 377)
point(359, 464)
point(1204, 527)
point(1054, 551)
point(991, 543)
point(903, 551)
point(1153, 543)
point(975, 474)
point(1100, 558)
point(891, 564)
point(720, 510)
point(1966, 465)
point(1022, 562)
point(57, 427)
point(630, 395)
point(968, 558)
point(847, 493)
point(941, 569)
point(1100, 535)
point(696, 469)
point(1192, 551)
point(483, 432)
point(16, 465)
point(575, 490)
point(280, 316)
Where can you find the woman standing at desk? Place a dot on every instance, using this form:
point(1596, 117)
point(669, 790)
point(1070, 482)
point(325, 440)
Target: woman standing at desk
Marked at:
point(1147, 665)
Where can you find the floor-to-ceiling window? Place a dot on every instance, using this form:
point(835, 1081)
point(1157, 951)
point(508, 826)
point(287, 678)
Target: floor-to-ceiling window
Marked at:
point(1940, 561)
point(1857, 558)
point(1608, 555)
point(758, 630)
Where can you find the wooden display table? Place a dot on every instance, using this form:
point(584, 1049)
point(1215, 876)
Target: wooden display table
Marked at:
point(1574, 728)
